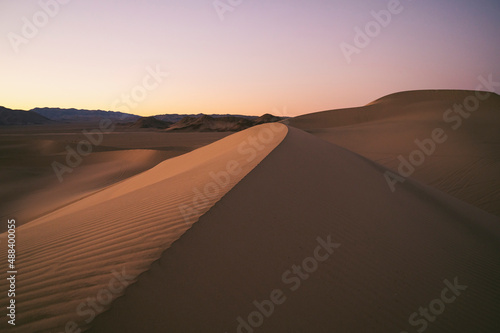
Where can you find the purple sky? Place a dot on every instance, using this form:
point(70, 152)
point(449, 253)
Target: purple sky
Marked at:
point(263, 56)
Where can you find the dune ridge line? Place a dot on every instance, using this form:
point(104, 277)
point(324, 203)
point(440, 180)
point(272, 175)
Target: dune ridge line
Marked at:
point(83, 255)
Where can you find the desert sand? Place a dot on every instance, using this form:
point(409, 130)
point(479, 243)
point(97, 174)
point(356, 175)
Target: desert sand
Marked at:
point(466, 165)
point(287, 227)
point(71, 254)
point(393, 254)
point(30, 187)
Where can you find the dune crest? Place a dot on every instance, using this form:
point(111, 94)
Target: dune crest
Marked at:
point(320, 244)
point(78, 255)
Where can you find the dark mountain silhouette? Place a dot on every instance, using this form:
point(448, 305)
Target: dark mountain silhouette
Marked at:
point(175, 122)
point(20, 117)
point(75, 115)
point(207, 123)
point(150, 122)
point(177, 117)
point(266, 118)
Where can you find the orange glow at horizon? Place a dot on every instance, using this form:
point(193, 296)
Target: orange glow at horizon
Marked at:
point(261, 57)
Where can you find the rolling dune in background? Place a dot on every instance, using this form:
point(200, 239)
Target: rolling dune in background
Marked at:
point(466, 165)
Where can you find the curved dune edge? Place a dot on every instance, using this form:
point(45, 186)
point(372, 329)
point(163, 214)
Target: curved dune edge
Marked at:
point(102, 169)
point(392, 253)
point(80, 253)
point(466, 165)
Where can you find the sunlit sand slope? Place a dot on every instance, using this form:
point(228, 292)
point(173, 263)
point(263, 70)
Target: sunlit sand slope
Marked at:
point(32, 187)
point(73, 262)
point(313, 240)
point(36, 191)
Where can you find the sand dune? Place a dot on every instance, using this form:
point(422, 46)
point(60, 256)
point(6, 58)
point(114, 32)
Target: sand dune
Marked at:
point(28, 200)
point(30, 187)
point(295, 232)
point(466, 165)
point(78, 254)
point(390, 254)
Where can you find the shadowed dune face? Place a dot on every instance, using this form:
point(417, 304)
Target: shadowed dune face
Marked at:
point(315, 229)
point(466, 164)
point(292, 232)
point(89, 250)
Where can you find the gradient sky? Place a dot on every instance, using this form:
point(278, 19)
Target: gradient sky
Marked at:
point(264, 55)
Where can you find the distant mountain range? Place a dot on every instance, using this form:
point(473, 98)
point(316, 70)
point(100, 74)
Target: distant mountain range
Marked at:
point(207, 123)
point(204, 123)
point(20, 117)
point(172, 122)
point(177, 117)
point(76, 116)
point(148, 122)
